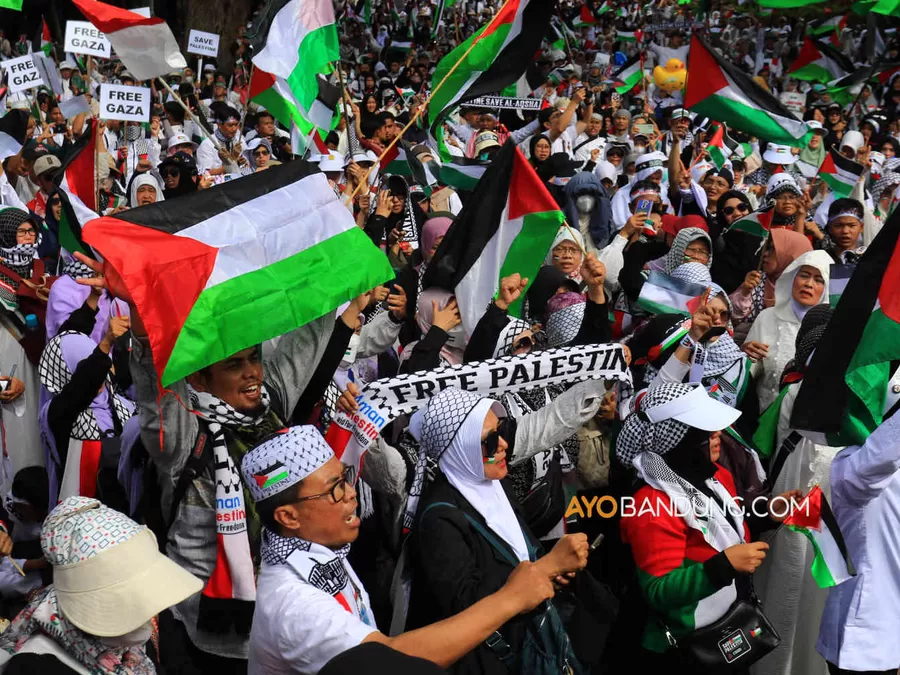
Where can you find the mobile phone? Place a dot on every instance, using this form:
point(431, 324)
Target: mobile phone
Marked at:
point(644, 129)
point(644, 207)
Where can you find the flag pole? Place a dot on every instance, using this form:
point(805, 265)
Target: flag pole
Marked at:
point(96, 132)
point(415, 117)
point(191, 115)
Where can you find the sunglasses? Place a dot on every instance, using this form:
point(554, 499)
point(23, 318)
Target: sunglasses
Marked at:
point(260, 153)
point(523, 343)
point(489, 446)
point(743, 208)
point(170, 172)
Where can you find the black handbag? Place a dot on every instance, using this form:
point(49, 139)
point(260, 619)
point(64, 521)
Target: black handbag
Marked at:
point(545, 505)
point(736, 641)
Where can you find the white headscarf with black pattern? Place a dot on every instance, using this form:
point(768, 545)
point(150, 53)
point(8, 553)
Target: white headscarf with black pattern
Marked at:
point(563, 325)
point(675, 256)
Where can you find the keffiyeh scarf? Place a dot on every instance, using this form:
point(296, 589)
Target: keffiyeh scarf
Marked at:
point(322, 568)
point(42, 616)
point(233, 581)
point(564, 324)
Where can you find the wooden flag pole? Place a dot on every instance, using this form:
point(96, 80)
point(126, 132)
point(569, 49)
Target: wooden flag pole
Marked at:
point(365, 180)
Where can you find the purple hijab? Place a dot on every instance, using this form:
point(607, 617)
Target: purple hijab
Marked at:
point(67, 295)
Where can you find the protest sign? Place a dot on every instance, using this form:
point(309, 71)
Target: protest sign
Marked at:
point(22, 74)
point(121, 102)
point(203, 44)
point(74, 107)
point(83, 38)
point(505, 102)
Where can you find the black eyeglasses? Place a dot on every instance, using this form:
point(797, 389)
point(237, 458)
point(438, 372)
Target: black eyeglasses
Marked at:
point(26, 231)
point(338, 491)
point(743, 208)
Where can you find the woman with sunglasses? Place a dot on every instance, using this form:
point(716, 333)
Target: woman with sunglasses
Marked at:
point(468, 536)
point(735, 250)
point(259, 154)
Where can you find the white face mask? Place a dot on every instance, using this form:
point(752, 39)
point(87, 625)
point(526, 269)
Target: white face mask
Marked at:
point(189, 78)
point(352, 348)
point(585, 203)
point(457, 337)
point(640, 149)
point(135, 638)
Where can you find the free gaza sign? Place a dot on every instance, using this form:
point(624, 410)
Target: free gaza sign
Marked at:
point(83, 38)
point(121, 102)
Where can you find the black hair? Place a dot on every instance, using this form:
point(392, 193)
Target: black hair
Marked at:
point(185, 88)
point(645, 185)
point(332, 138)
point(383, 118)
point(266, 508)
point(176, 111)
point(262, 114)
point(845, 204)
point(33, 485)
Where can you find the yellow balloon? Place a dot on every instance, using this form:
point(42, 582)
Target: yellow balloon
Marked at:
point(671, 77)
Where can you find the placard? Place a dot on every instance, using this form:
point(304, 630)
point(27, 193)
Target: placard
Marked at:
point(83, 38)
point(204, 44)
point(793, 101)
point(22, 74)
point(121, 102)
point(505, 102)
point(74, 107)
point(49, 72)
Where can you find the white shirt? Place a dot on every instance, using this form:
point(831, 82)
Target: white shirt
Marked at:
point(297, 628)
point(565, 141)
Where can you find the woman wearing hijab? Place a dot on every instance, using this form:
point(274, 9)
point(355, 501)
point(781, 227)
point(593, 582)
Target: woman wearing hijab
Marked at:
point(794, 602)
point(468, 536)
point(771, 340)
point(443, 337)
point(789, 205)
point(259, 154)
point(757, 292)
point(567, 253)
point(692, 563)
point(539, 147)
point(145, 189)
point(84, 412)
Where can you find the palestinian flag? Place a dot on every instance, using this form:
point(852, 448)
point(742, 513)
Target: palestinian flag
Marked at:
point(144, 44)
point(844, 389)
point(500, 53)
point(662, 294)
point(460, 173)
point(787, 4)
point(757, 223)
point(301, 46)
point(887, 7)
point(719, 90)
point(11, 4)
point(506, 227)
point(819, 27)
point(840, 174)
point(46, 38)
point(629, 75)
point(527, 83)
point(210, 277)
point(585, 18)
point(75, 180)
point(863, 7)
point(395, 161)
point(718, 151)
point(837, 282)
point(819, 62)
point(275, 96)
point(13, 131)
point(629, 35)
point(603, 8)
point(813, 519)
point(271, 475)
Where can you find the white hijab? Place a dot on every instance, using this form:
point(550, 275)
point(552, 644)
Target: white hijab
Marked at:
point(463, 466)
point(146, 178)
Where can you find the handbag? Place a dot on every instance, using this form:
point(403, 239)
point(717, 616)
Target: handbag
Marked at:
point(544, 506)
point(734, 642)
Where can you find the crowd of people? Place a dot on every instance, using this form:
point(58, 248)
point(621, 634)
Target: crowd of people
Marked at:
point(456, 546)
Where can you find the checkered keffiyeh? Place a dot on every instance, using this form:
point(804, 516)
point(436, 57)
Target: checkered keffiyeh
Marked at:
point(17, 258)
point(687, 236)
point(508, 336)
point(284, 460)
point(435, 427)
point(694, 272)
point(639, 435)
point(563, 325)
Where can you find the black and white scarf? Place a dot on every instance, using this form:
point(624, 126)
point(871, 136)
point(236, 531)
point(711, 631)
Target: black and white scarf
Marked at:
point(322, 568)
point(238, 582)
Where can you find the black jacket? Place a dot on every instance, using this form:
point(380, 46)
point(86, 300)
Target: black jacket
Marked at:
point(454, 567)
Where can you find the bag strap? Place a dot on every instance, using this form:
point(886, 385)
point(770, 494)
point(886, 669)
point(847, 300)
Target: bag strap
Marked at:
point(196, 464)
point(484, 532)
point(495, 642)
point(787, 447)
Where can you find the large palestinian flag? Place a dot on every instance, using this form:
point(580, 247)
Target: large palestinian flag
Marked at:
point(506, 227)
point(844, 391)
point(813, 519)
point(819, 62)
point(493, 58)
point(720, 91)
point(230, 267)
point(629, 75)
point(841, 174)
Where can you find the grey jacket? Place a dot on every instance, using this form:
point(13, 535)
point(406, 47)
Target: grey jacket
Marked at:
point(192, 535)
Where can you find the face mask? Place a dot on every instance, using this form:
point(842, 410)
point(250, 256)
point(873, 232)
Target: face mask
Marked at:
point(352, 348)
point(135, 638)
point(640, 149)
point(189, 79)
point(585, 203)
point(457, 337)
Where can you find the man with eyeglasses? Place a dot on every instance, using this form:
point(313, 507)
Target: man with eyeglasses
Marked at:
point(310, 604)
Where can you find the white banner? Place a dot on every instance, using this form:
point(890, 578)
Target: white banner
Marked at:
point(83, 38)
point(22, 74)
point(121, 102)
point(204, 44)
point(383, 400)
point(505, 102)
